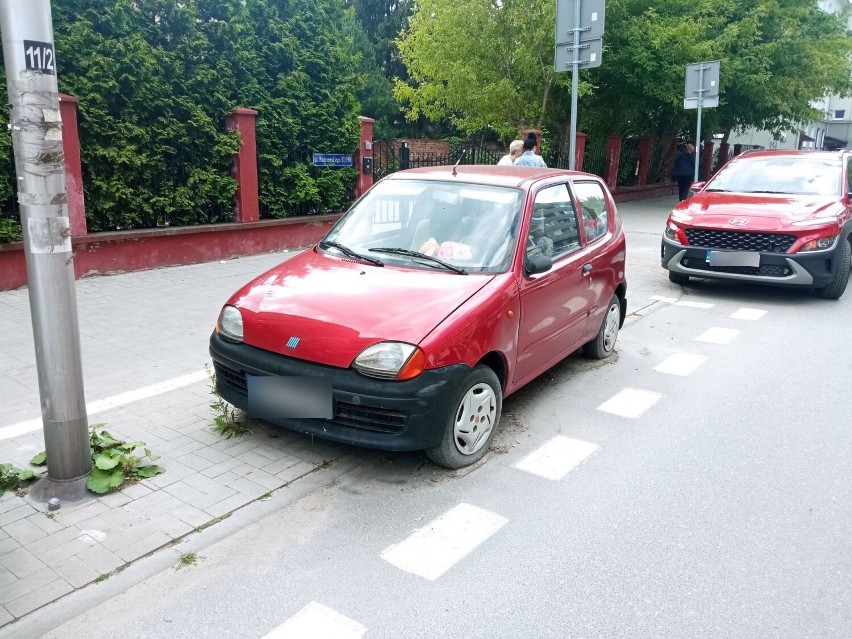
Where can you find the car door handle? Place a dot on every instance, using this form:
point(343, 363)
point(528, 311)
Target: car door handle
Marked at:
point(587, 268)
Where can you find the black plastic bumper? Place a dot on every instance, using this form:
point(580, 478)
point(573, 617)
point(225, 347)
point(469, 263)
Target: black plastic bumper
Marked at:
point(782, 269)
point(375, 413)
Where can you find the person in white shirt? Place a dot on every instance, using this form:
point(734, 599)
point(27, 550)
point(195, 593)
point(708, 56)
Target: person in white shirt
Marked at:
point(515, 150)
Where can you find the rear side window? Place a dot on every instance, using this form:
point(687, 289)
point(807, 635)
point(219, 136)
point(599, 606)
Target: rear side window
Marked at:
point(590, 197)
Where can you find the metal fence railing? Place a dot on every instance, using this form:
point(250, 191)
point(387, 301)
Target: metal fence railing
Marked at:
point(390, 156)
point(594, 160)
point(628, 165)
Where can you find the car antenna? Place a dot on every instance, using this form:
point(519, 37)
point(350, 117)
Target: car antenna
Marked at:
point(459, 160)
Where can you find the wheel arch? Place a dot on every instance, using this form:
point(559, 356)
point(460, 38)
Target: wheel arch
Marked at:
point(497, 363)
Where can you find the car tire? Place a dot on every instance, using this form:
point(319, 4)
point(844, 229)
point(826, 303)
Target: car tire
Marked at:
point(840, 278)
point(604, 343)
point(678, 278)
point(477, 407)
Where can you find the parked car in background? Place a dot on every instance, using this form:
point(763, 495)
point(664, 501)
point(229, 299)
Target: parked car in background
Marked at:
point(773, 217)
point(439, 293)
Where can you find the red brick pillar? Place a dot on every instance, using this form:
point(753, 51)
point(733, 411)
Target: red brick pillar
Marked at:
point(579, 151)
point(644, 161)
point(706, 160)
point(244, 171)
point(73, 168)
point(613, 157)
point(365, 152)
point(538, 135)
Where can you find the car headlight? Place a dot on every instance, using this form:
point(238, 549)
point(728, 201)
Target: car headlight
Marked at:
point(821, 244)
point(230, 324)
point(391, 360)
point(671, 232)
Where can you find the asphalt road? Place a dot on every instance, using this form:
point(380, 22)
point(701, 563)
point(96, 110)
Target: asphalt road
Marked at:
point(719, 508)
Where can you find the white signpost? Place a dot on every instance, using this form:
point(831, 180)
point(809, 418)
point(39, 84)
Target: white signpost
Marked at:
point(702, 91)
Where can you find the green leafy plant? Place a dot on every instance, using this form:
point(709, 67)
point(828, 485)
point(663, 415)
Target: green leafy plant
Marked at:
point(10, 231)
point(229, 423)
point(114, 460)
point(11, 476)
point(187, 559)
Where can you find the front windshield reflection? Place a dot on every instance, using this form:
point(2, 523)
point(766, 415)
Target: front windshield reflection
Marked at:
point(790, 175)
point(472, 227)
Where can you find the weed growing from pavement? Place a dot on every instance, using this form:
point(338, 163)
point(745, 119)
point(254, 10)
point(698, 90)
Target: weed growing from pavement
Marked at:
point(187, 559)
point(11, 476)
point(228, 422)
point(114, 461)
point(103, 577)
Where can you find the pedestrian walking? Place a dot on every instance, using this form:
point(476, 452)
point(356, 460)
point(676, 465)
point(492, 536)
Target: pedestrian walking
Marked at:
point(529, 158)
point(683, 171)
point(515, 150)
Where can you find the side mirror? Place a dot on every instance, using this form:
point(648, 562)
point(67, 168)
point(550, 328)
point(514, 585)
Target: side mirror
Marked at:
point(538, 263)
point(697, 186)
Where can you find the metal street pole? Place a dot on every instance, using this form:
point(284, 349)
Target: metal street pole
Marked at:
point(27, 33)
point(698, 132)
point(575, 80)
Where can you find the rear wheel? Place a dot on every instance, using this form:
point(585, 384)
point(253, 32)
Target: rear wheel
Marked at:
point(842, 266)
point(678, 278)
point(471, 425)
point(604, 343)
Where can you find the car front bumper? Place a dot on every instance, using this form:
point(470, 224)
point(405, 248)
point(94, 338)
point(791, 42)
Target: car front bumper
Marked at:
point(783, 269)
point(370, 412)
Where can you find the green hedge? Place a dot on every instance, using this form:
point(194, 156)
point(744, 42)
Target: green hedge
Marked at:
point(156, 81)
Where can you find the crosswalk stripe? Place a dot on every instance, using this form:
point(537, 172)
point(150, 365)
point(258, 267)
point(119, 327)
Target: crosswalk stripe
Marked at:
point(437, 547)
point(631, 402)
point(314, 621)
point(750, 314)
point(557, 458)
point(690, 304)
point(680, 364)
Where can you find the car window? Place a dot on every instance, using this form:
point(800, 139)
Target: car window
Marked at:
point(590, 197)
point(553, 227)
point(798, 175)
point(471, 226)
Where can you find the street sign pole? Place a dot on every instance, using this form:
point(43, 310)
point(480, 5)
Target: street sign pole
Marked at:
point(36, 127)
point(575, 80)
point(701, 92)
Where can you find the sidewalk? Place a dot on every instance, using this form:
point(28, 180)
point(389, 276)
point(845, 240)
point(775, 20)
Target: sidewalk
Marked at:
point(144, 343)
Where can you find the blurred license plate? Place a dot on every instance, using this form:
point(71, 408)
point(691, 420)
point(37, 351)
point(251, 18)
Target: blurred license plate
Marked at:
point(289, 397)
point(733, 258)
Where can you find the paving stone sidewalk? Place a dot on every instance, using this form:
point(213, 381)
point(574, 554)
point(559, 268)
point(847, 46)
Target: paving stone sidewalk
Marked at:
point(138, 330)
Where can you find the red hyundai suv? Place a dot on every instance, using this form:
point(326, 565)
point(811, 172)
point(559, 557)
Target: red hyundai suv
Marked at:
point(772, 217)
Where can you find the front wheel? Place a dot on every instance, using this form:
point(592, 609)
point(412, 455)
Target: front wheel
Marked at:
point(841, 274)
point(471, 425)
point(604, 343)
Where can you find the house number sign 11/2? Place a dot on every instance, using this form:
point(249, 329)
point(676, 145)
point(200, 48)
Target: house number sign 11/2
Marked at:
point(38, 57)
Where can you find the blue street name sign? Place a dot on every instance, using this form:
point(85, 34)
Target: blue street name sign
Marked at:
point(332, 159)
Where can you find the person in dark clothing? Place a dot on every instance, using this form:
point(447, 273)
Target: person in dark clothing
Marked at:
point(683, 171)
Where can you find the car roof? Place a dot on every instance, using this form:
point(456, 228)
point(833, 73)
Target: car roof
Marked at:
point(774, 153)
point(489, 174)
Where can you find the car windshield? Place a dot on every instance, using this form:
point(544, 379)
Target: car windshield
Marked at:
point(449, 226)
point(790, 175)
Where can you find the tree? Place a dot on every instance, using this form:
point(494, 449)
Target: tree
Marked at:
point(483, 64)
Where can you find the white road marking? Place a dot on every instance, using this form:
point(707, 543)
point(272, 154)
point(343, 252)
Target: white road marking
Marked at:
point(314, 621)
point(667, 300)
point(718, 335)
point(694, 304)
point(435, 548)
point(751, 314)
point(630, 402)
point(680, 364)
point(557, 458)
point(101, 405)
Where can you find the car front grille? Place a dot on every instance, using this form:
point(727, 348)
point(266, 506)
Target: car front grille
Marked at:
point(740, 240)
point(764, 270)
point(370, 418)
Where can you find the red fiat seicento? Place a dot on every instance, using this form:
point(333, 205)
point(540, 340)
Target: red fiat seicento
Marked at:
point(772, 217)
point(440, 292)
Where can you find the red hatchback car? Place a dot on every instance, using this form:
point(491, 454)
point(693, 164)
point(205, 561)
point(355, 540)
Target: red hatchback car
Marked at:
point(440, 292)
point(773, 217)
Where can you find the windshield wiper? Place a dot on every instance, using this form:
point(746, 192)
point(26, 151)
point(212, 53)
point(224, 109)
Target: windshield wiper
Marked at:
point(716, 190)
point(419, 255)
point(779, 192)
point(350, 253)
